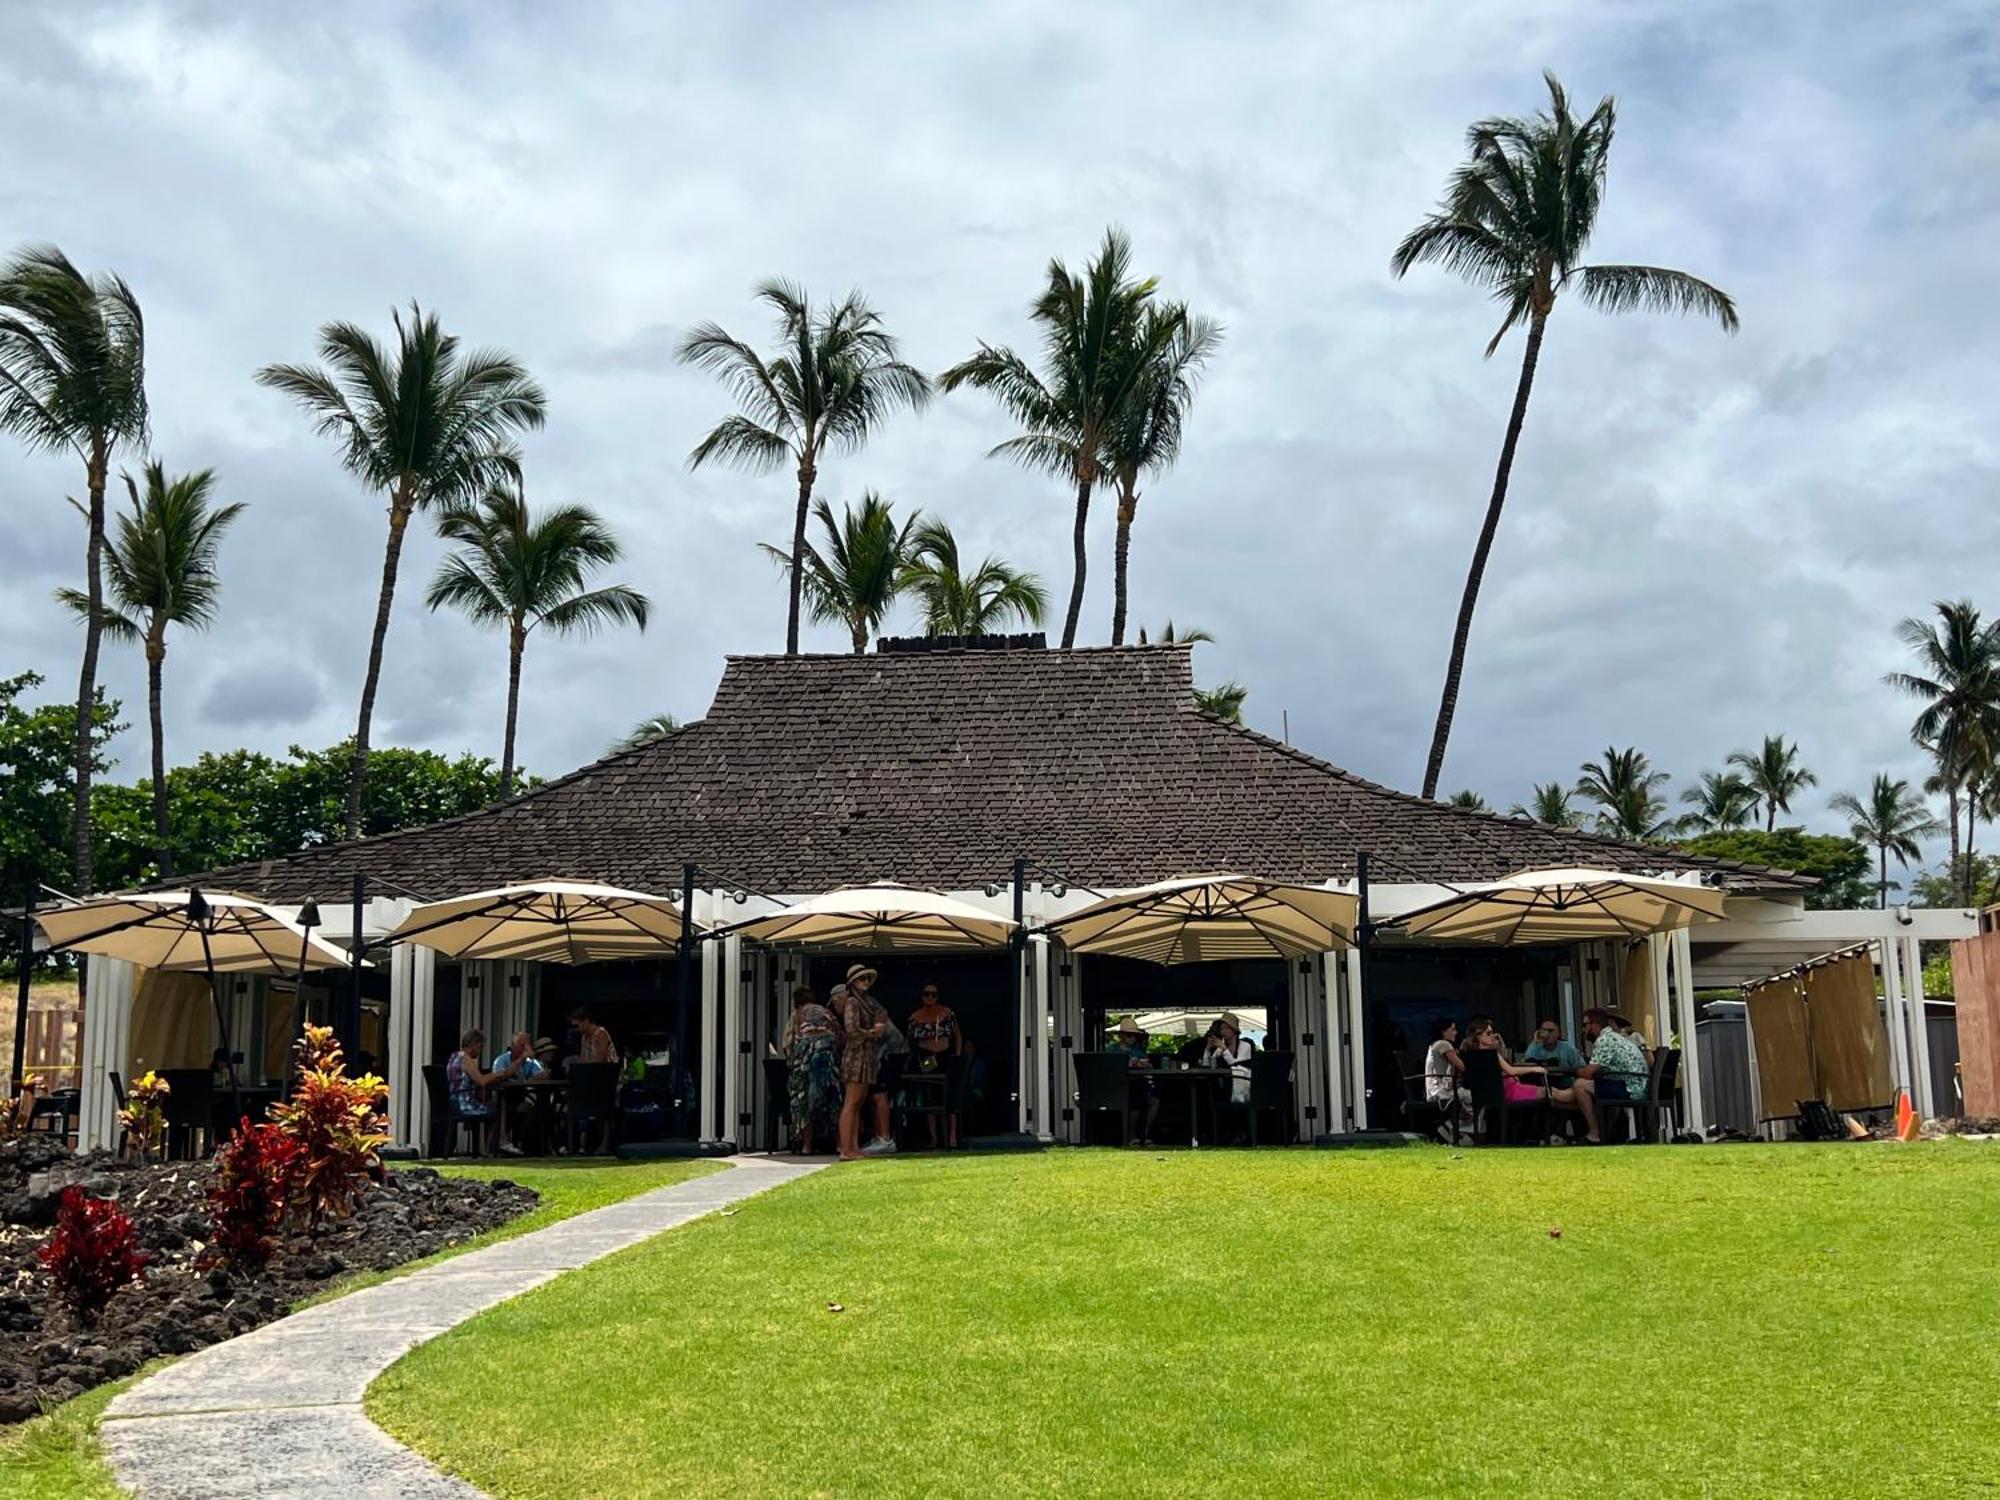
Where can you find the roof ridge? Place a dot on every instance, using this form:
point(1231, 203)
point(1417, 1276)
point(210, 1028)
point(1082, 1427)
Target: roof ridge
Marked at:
point(1042, 653)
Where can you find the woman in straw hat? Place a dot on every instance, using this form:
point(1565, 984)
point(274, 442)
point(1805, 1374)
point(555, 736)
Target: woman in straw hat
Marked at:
point(864, 1023)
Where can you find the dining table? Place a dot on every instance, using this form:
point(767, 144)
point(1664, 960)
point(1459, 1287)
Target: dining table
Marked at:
point(543, 1098)
point(1197, 1084)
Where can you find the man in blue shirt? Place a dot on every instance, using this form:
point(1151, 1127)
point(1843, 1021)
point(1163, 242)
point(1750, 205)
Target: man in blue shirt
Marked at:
point(518, 1061)
point(1550, 1047)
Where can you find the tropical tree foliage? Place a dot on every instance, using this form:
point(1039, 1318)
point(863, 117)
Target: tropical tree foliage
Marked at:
point(1720, 800)
point(526, 572)
point(653, 727)
point(38, 788)
point(957, 600)
point(1225, 700)
point(834, 377)
point(161, 568)
point(1774, 775)
point(1549, 803)
point(1626, 790)
point(1171, 635)
point(1516, 218)
point(1840, 865)
point(1099, 347)
point(1468, 799)
point(1893, 818)
point(858, 571)
point(1956, 683)
point(425, 423)
point(1145, 436)
point(73, 379)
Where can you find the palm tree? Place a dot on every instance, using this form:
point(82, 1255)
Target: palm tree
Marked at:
point(1626, 789)
point(956, 601)
point(73, 378)
point(1192, 635)
point(1722, 800)
point(1468, 799)
point(528, 572)
point(834, 380)
point(1957, 682)
point(1516, 218)
point(424, 423)
point(653, 727)
point(1146, 437)
point(1774, 775)
point(857, 579)
point(1098, 346)
point(1549, 803)
point(1224, 701)
point(161, 566)
point(1893, 819)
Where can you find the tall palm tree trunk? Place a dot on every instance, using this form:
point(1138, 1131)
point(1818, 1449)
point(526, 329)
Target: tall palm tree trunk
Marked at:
point(1128, 509)
point(1971, 826)
point(1882, 884)
point(1083, 485)
point(858, 633)
point(1958, 878)
point(807, 473)
point(86, 687)
point(517, 641)
point(1448, 703)
point(1771, 815)
point(392, 556)
point(156, 660)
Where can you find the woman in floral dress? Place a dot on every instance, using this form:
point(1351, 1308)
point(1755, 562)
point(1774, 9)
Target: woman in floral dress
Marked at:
point(812, 1053)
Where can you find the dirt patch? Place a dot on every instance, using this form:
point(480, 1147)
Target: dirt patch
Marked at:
point(183, 1303)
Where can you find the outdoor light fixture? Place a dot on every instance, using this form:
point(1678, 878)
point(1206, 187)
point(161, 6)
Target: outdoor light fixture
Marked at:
point(992, 889)
point(309, 914)
point(197, 905)
point(1058, 890)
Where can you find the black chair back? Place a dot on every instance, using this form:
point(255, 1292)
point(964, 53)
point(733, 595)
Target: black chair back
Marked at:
point(1666, 1075)
point(593, 1090)
point(1484, 1078)
point(1271, 1080)
point(117, 1087)
point(778, 1097)
point(190, 1101)
point(437, 1089)
point(1103, 1080)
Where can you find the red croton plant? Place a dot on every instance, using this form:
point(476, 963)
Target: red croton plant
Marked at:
point(337, 1124)
point(93, 1252)
point(254, 1178)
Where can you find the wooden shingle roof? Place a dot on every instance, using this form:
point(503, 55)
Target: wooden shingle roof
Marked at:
point(939, 769)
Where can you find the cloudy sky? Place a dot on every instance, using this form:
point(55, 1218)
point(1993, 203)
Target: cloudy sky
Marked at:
point(1708, 539)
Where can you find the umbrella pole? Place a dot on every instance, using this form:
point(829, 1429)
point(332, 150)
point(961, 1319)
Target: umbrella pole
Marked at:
point(686, 947)
point(1017, 946)
point(222, 1025)
point(27, 980)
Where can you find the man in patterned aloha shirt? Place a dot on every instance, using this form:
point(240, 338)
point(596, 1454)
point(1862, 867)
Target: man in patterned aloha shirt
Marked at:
point(1617, 1068)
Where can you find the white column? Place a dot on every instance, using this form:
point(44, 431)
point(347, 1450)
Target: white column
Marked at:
point(1038, 975)
point(711, 1026)
point(1357, 1046)
point(1663, 1017)
point(107, 1035)
point(733, 1003)
point(1920, 1029)
point(1333, 1060)
point(1689, 1014)
point(1893, 1016)
point(402, 1004)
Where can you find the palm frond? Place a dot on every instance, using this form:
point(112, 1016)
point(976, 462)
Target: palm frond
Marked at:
point(1617, 289)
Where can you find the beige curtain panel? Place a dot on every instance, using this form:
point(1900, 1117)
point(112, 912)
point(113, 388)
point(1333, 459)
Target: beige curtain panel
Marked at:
point(1849, 1045)
point(1636, 1000)
point(173, 1022)
point(1785, 1072)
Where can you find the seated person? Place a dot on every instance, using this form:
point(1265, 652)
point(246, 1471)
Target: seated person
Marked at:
point(1633, 1034)
point(468, 1083)
point(1617, 1067)
point(520, 1054)
point(545, 1054)
point(1550, 1046)
point(1444, 1075)
point(1477, 1024)
point(1130, 1042)
point(219, 1067)
point(1523, 1084)
point(1225, 1046)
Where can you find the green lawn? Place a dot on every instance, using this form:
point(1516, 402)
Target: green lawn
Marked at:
point(1740, 1320)
point(56, 1456)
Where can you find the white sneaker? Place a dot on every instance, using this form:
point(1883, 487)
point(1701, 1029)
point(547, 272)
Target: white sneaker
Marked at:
point(510, 1149)
point(880, 1146)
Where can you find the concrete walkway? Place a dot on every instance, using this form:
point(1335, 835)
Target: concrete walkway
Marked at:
point(277, 1411)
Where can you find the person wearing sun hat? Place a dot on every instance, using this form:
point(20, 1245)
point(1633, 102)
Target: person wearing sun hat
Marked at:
point(1226, 1047)
point(863, 1023)
point(1129, 1041)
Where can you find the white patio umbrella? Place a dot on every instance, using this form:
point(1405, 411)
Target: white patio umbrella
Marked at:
point(1202, 918)
point(885, 918)
point(188, 931)
point(1553, 906)
point(551, 921)
point(191, 931)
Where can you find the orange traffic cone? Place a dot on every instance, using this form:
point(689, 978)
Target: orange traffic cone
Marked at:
point(1909, 1125)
